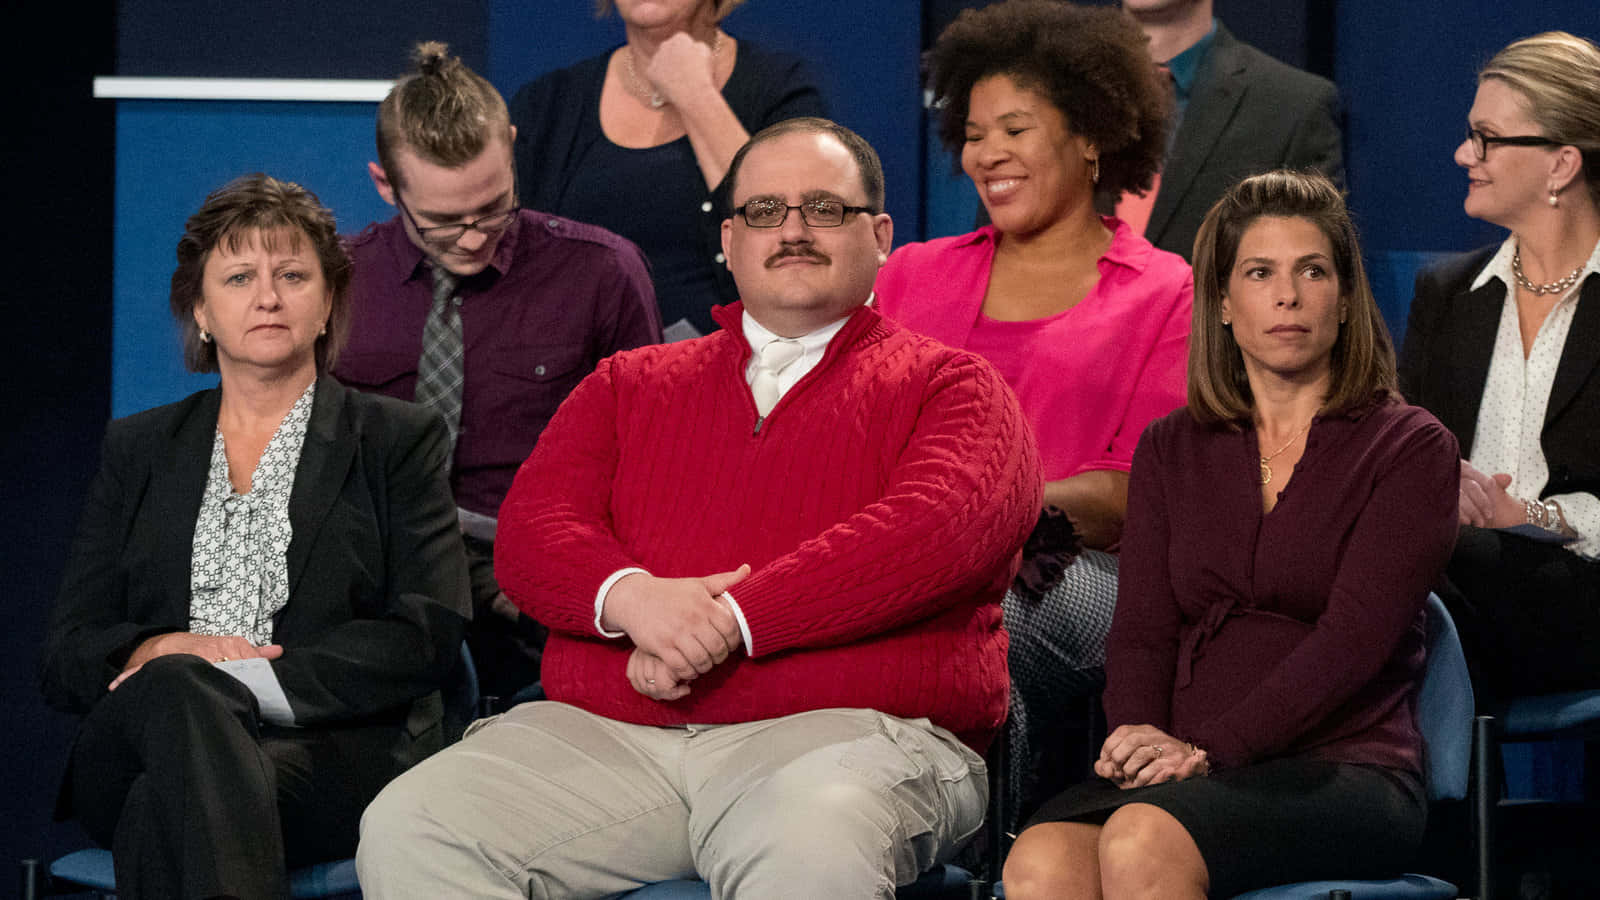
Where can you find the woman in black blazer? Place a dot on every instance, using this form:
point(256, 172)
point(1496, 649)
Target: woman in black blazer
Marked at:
point(279, 527)
point(1503, 345)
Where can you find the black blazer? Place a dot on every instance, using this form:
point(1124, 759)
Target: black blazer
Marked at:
point(1248, 113)
point(1445, 362)
point(378, 595)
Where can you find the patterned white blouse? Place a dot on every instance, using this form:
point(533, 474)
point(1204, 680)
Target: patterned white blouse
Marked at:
point(239, 570)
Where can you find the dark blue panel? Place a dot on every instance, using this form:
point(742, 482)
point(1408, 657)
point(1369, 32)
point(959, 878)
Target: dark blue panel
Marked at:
point(864, 53)
point(169, 156)
point(290, 38)
point(1407, 72)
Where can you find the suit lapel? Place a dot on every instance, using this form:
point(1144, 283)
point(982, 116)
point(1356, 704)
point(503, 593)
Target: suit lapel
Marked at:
point(324, 464)
point(1581, 353)
point(177, 484)
point(1471, 348)
point(1218, 88)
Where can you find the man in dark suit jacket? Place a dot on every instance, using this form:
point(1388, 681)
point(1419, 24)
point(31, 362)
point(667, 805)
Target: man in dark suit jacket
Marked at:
point(1241, 113)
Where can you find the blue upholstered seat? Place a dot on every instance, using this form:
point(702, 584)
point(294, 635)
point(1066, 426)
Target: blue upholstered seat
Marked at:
point(323, 881)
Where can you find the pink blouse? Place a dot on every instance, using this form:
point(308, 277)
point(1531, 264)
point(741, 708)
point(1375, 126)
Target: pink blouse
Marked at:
point(1089, 379)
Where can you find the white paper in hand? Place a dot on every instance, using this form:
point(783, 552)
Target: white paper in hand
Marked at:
point(257, 675)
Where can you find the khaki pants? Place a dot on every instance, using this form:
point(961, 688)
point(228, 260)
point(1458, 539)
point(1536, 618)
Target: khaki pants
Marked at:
point(549, 801)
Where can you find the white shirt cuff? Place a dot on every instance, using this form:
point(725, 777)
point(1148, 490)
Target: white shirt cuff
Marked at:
point(744, 627)
point(1582, 512)
point(600, 599)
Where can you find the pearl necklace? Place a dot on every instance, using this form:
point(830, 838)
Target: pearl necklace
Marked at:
point(1559, 286)
point(642, 88)
point(1266, 467)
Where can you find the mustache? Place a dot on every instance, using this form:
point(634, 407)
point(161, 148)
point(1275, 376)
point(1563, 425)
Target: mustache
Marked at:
point(804, 251)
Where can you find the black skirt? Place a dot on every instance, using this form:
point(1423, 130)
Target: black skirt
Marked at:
point(1276, 822)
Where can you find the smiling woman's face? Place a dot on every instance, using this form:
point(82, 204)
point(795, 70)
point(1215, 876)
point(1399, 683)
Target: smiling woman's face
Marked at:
point(1284, 300)
point(264, 301)
point(1028, 166)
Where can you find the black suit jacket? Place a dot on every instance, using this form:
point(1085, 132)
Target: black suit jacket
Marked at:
point(1248, 113)
point(378, 594)
point(1445, 362)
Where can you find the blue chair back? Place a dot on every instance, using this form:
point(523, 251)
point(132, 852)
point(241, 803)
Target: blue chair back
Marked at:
point(1445, 708)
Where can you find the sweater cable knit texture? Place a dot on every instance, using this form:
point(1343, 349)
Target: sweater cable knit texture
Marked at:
point(880, 505)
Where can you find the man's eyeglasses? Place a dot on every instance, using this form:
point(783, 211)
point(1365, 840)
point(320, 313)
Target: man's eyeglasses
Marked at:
point(492, 224)
point(816, 213)
point(1480, 142)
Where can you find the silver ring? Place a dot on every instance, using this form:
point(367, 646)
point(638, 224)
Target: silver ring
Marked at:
point(1157, 749)
point(649, 681)
point(222, 659)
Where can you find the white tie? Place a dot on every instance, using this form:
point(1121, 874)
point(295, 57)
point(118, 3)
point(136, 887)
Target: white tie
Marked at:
point(776, 356)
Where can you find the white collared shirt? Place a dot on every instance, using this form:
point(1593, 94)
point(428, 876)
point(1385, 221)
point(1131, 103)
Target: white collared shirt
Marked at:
point(1516, 394)
point(813, 345)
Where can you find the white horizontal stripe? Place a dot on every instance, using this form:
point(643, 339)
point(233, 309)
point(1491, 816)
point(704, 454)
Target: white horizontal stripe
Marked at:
point(116, 87)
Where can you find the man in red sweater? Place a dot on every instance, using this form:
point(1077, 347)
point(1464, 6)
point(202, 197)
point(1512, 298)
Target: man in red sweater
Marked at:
point(771, 560)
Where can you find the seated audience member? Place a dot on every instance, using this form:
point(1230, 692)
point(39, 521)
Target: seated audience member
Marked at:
point(1283, 533)
point(488, 313)
point(1087, 322)
point(638, 140)
point(267, 588)
point(1503, 346)
point(1239, 112)
point(771, 560)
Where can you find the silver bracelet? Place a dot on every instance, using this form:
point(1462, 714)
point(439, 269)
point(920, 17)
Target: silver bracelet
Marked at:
point(1537, 514)
point(1545, 514)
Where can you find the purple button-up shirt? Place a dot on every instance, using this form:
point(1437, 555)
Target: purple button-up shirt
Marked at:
point(558, 297)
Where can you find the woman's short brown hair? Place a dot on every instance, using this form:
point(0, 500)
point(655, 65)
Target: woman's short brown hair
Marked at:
point(1363, 365)
point(256, 207)
point(1091, 62)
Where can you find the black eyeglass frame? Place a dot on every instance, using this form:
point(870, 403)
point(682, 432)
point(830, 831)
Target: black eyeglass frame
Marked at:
point(437, 234)
point(1480, 142)
point(845, 211)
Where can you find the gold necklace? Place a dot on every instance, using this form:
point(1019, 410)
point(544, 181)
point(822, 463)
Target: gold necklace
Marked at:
point(1266, 468)
point(1559, 286)
point(642, 88)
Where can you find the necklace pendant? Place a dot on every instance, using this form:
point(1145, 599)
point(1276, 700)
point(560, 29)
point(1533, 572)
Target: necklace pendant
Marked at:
point(1266, 471)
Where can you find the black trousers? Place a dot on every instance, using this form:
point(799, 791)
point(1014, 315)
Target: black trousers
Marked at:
point(196, 800)
point(507, 654)
point(1528, 613)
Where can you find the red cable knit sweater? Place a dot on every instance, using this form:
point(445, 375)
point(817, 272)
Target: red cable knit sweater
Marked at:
point(880, 505)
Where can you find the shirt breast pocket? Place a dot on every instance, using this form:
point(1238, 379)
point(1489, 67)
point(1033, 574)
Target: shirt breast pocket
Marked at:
point(393, 374)
point(530, 381)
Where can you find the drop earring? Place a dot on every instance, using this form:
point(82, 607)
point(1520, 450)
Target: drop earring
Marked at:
point(1094, 170)
point(1555, 198)
point(205, 336)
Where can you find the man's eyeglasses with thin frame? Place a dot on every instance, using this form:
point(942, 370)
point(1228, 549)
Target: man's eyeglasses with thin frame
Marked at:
point(1480, 142)
point(491, 224)
point(815, 213)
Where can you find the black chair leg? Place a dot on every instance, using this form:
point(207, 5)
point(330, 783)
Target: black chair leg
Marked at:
point(1486, 799)
point(30, 879)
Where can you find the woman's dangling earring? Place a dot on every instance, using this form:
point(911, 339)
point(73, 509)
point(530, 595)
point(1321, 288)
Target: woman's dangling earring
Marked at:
point(1094, 170)
point(1555, 198)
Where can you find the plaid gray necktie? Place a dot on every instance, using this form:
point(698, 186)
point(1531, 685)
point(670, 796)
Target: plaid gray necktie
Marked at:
point(441, 370)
